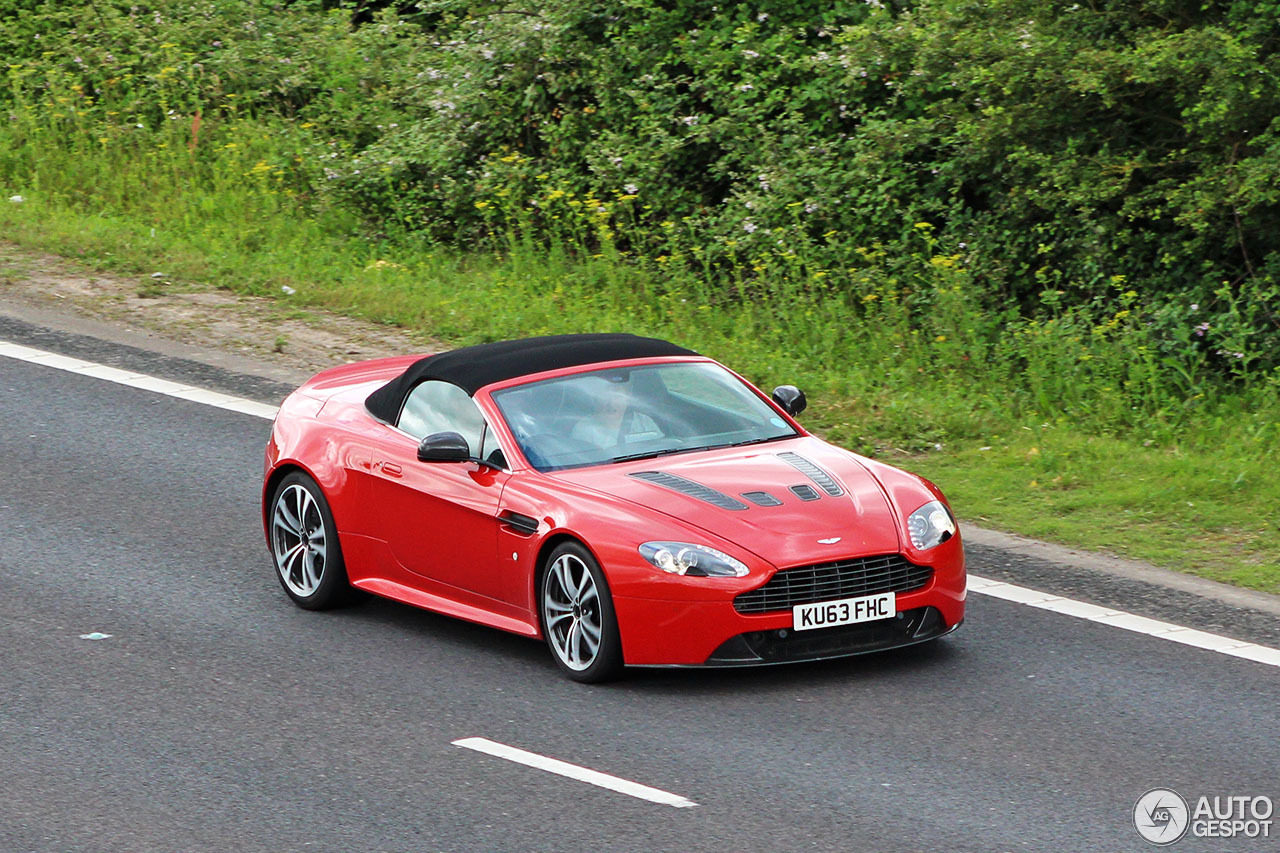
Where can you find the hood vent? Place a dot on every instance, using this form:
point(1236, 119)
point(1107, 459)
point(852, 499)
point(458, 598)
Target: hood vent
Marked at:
point(805, 493)
point(762, 499)
point(690, 488)
point(824, 480)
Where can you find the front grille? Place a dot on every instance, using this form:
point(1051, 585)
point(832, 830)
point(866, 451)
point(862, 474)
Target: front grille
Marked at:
point(830, 581)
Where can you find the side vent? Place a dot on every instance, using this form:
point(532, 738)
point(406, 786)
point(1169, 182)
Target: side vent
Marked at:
point(522, 524)
point(762, 499)
point(690, 488)
point(824, 480)
point(805, 493)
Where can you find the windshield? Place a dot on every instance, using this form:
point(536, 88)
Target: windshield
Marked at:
point(617, 414)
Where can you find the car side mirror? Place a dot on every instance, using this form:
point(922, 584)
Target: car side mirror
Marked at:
point(790, 399)
point(444, 447)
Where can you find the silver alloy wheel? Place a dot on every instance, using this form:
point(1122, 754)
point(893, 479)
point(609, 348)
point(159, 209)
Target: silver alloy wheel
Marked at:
point(571, 612)
point(298, 540)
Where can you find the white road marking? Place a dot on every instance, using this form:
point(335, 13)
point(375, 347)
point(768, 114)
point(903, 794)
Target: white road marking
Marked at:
point(1126, 621)
point(573, 771)
point(138, 380)
point(983, 586)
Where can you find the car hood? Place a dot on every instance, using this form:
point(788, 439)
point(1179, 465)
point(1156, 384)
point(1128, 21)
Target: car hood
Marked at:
point(794, 532)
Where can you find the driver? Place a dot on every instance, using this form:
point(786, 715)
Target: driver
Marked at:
point(604, 428)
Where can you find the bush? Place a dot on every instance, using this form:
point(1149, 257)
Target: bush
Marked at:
point(1054, 169)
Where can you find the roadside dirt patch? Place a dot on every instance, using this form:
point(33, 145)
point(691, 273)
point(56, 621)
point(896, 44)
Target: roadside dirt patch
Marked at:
point(299, 340)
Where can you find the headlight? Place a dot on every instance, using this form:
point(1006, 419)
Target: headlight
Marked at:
point(930, 525)
point(681, 558)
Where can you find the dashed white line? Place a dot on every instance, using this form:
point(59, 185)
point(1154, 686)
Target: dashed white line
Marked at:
point(573, 771)
point(983, 586)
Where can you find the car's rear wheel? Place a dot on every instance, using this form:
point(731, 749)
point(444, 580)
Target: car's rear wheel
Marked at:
point(577, 613)
point(304, 545)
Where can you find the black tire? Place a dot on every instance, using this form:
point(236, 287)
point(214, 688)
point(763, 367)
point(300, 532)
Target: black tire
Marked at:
point(558, 607)
point(314, 577)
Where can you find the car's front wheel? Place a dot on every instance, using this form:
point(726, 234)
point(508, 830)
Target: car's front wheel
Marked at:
point(304, 545)
point(577, 615)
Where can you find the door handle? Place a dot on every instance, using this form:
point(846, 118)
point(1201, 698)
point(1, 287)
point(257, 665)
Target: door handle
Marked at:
point(391, 469)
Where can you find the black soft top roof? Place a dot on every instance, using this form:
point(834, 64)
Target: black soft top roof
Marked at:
point(472, 368)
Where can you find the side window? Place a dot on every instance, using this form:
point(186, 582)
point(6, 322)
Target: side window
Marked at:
point(439, 407)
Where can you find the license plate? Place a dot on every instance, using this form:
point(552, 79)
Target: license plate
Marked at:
point(844, 611)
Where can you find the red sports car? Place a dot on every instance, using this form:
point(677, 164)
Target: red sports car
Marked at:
point(627, 500)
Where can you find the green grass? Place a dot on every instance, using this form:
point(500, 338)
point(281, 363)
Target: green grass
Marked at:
point(1210, 514)
point(1092, 437)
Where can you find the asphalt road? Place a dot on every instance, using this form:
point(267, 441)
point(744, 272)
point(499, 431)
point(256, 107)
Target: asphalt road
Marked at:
point(217, 716)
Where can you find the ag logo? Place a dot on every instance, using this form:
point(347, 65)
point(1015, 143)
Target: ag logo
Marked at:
point(1161, 816)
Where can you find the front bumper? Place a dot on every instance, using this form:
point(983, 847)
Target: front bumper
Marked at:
point(785, 646)
point(706, 633)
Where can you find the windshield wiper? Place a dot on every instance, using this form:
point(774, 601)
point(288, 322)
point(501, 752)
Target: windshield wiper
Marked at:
point(651, 454)
point(756, 441)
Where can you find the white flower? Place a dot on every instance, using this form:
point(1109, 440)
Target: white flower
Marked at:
point(749, 226)
point(16, 199)
point(762, 17)
point(289, 291)
point(750, 54)
point(631, 189)
point(745, 87)
point(689, 120)
point(1195, 306)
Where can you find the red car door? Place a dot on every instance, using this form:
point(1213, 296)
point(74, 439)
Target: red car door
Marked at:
point(439, 518)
